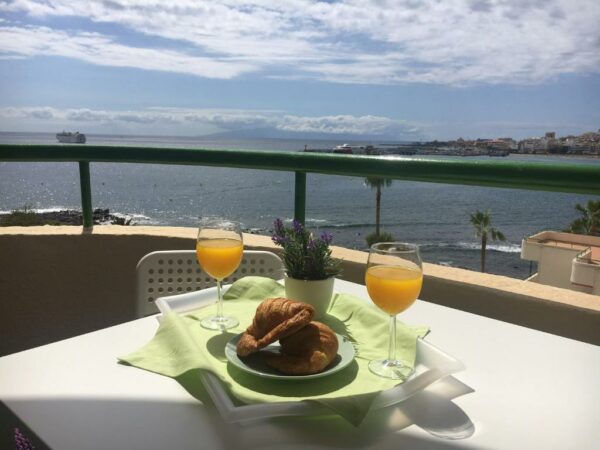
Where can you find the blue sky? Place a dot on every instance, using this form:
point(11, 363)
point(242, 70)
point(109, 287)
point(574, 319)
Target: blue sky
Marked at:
point(371, 69)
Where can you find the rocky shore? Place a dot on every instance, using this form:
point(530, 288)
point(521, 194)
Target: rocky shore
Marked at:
point(28, 217)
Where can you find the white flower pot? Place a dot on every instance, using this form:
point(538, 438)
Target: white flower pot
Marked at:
point(317, 293)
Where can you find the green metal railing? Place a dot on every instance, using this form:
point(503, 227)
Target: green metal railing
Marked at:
point(564, 177)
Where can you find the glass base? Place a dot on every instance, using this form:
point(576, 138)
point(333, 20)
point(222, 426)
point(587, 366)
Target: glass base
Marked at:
point(394, 369)
point(219, 323)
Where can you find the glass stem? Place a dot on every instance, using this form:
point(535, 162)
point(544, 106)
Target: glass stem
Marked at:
point(392, 346)
point(219, 300)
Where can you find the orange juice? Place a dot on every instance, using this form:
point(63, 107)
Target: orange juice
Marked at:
point(393, 288)
point(219, 257)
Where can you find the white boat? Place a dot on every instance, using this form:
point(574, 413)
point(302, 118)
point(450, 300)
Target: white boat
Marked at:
point(71, 138)
point(345, 148)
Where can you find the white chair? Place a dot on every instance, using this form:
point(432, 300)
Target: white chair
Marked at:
point(173, 272)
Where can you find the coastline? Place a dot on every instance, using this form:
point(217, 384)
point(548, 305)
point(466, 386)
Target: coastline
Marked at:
point(435, 216)
point(28, 217)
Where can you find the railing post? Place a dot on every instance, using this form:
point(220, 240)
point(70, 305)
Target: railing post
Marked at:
point(86, 195)
point(300, 197)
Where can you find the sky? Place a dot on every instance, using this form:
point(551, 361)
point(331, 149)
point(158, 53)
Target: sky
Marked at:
point(401, 69)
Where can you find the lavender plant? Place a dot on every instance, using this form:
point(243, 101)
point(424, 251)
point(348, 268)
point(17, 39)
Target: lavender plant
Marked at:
point(304, 256)
point(21, 441)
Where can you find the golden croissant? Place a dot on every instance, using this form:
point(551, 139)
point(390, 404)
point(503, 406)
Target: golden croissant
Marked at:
point(309, 350)
point(275, 319)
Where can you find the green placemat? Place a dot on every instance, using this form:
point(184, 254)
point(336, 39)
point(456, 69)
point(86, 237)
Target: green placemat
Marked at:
point(181, 345)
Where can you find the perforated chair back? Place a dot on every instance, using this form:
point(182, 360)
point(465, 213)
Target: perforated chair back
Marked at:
point(173, 272)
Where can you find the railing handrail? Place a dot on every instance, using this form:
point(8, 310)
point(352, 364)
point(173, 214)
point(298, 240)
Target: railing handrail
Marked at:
point(564, 177)
point(576, 178)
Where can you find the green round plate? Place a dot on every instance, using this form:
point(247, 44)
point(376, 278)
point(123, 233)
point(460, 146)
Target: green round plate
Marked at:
point(256, 365)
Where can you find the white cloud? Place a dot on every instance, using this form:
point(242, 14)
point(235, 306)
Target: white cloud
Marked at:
point(195, 122)
point(211, 119)
point(103, 50)
point(347, 124)
point(352, 41)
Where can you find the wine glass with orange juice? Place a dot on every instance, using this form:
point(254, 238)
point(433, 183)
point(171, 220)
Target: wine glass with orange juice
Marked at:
point(219, 249)
point(394, 278)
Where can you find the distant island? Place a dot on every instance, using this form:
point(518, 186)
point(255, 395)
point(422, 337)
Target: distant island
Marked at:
point(587, 144)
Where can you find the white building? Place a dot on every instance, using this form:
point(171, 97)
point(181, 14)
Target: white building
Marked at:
point(565, 260)
point(532, 145)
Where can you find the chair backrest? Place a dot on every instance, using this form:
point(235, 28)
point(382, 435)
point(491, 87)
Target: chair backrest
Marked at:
point(173, 272)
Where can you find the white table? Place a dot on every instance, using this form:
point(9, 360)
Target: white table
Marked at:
point(528, 390)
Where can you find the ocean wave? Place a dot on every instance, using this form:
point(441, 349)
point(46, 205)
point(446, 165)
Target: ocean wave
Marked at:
point(141, 219)
point(41, 210)
point(475, 246)
point(326, 223)
point(507, 248)
point(306, 220)
point(136, 219)
point(352, 225)
point(446, 263)
point(342, 225)
point(384, 226)
point(52, 209)
point(255, 230)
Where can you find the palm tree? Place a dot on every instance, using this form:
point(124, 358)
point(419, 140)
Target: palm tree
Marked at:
point(589, 223)
point(483, 228)
point(377, 184)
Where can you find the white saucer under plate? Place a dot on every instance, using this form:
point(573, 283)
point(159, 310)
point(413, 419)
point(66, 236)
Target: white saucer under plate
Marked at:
point(431, 365)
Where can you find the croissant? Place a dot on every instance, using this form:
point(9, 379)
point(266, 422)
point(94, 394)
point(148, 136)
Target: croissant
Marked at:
point(307, 351)
point(275, 318)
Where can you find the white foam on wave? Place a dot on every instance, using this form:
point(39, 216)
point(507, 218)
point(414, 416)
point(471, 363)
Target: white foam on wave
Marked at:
point(306, 220)
point(39, 210)
point(52, 209)
point(504, 248)
point(509, 248)
point(140, 219)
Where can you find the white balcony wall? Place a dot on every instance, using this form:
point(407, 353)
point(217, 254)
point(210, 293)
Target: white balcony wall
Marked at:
point(556, 254)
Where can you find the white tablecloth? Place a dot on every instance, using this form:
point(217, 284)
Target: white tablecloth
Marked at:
point(522, 389)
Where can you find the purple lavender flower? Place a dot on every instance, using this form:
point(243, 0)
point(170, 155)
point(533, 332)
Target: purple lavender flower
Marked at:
point(21, 441)
point(305, 257)
point(297, 225)
point(326, 237)
point(280, 240)
point(279, 236)
point(278, 226)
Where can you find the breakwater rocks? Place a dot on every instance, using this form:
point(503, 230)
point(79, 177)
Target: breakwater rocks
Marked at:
point(29, 217)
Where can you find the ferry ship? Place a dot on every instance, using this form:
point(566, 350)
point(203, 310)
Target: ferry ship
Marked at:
point(345, 148)
point(71, 138)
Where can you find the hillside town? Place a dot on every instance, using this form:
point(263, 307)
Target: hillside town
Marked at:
point(587, 144)
point(584, 144)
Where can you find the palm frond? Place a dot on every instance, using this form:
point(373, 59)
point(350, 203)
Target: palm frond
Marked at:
point(589, 220)
point(374, 182)
point(497, 235)
point(481, 221)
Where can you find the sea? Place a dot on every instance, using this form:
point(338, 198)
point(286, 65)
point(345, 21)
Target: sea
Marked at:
point(434, 216)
